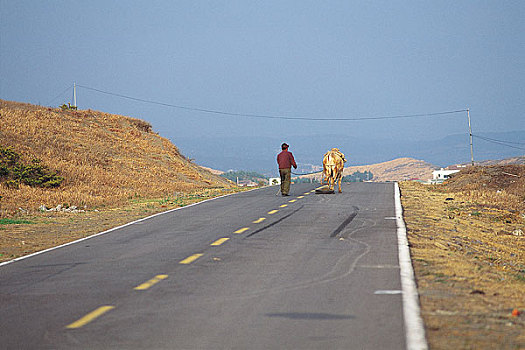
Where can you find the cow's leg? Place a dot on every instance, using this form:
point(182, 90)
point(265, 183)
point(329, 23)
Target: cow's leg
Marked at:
point(331, 179)
point(340, 179)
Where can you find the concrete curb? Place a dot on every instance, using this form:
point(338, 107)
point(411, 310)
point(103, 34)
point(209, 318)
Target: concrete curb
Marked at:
point(414, 327)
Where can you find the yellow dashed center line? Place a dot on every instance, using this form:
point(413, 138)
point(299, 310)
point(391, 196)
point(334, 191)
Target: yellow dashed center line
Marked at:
point(306, 193)
point(90, 317)
point(190, 259)
point(241, 230)
point(151, 282)
point(220, 241)
point(103, 309)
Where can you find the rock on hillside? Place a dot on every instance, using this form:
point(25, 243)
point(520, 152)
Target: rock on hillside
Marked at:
point(104, 158)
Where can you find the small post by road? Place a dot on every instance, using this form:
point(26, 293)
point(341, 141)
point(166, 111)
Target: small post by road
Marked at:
point(470, 133)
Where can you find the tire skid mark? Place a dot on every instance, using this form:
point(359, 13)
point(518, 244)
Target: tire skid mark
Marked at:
point(275, 222)
point(345, 223)
point(339, 271)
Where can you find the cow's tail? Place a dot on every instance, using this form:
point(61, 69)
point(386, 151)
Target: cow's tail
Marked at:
point(330, 176)
point(331, 171)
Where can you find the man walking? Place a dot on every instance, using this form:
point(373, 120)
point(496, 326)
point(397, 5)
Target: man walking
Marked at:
point(286, 161)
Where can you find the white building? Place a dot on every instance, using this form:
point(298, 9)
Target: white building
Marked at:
point(441, 175)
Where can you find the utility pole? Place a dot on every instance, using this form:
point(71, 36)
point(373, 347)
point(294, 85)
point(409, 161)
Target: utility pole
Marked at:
point(75, 95)
point(470, 133)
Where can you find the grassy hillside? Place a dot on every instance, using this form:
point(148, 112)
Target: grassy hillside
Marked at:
point(497, 186)
point(104, 159)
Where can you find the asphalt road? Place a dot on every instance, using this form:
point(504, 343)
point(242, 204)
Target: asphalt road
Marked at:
point(318, 272)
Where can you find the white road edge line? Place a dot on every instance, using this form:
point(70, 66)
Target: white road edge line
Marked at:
point(414, 328)
point(388, 292)
point(116, 228)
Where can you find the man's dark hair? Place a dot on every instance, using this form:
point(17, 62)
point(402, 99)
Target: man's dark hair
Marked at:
point(284, 146)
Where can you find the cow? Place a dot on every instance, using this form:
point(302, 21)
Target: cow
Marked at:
point(333, 164)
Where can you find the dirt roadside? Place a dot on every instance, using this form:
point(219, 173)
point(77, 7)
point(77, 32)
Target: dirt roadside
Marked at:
point(469, 262)
point(29, 233)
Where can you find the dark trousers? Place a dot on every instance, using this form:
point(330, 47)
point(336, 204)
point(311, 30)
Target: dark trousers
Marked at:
point(286, 177)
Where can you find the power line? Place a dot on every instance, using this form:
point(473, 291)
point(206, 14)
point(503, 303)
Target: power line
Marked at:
point(503, 143)
point(267, 116)
point(489, 139)
point(62, 93)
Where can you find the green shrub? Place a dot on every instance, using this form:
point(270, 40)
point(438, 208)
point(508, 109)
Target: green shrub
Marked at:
point(14, 172)
point(6, 221)
point(4, 170)
point(8, 156)
point(12, 184)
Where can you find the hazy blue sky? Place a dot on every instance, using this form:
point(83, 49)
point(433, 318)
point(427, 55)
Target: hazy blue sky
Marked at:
point(320, 59)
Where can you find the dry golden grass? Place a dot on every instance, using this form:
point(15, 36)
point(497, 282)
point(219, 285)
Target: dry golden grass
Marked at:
point(498, 186)
point(45, 230)
point(105, 159)
point(469, 258)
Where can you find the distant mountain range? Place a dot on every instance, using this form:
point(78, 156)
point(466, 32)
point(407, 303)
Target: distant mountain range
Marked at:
point(394, 170)
point(259, 153)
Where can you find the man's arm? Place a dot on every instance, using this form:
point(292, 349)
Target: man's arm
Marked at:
point(293, 161)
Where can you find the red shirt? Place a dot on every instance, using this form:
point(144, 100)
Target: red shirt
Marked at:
point(285, 160)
